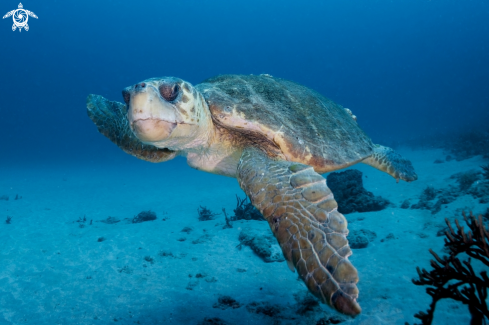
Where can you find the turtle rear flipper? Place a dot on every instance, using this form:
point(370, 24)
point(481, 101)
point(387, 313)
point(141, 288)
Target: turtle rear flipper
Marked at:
point(303, 216)
point(110, 119)
point(391, 162)
point(14, 28)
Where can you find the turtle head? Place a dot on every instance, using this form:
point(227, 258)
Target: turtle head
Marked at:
point(167, 113)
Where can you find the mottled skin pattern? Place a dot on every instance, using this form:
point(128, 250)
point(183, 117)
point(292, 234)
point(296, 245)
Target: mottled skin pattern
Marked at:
point(389, 161)
point(303, 216)
point(275, 137)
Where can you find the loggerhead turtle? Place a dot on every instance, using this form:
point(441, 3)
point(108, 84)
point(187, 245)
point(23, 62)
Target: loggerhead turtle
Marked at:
point(276, 137)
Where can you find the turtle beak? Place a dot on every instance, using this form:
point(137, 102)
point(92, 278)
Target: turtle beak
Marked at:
point(152, 130)
point(150, 118)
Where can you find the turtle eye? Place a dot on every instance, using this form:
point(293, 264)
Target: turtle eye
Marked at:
point(127, 96)
point(169, 92)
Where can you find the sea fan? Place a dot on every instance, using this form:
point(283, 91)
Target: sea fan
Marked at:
point(453, 279)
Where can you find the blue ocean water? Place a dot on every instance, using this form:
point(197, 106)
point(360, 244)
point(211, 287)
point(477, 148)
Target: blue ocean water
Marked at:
point(406, 68)
point(403, 67)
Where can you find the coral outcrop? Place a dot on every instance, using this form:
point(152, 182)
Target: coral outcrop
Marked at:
point(350, 194)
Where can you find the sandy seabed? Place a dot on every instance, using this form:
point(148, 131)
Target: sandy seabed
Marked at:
point(56, 270)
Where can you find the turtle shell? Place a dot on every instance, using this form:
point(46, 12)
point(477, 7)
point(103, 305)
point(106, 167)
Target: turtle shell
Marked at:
point(306, 126)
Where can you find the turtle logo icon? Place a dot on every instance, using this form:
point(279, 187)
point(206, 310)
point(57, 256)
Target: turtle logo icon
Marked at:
point(20, 17)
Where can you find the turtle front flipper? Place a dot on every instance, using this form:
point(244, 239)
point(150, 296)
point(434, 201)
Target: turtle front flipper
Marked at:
point(110, 119)
point(303, 216)
point(389, 161)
